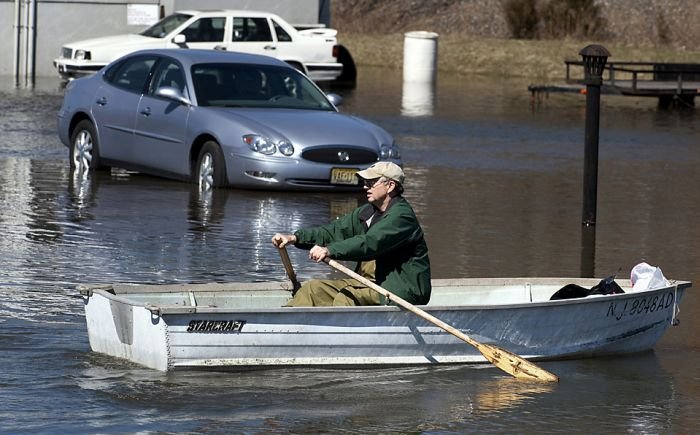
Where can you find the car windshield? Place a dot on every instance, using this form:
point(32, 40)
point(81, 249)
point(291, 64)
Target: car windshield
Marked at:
point(163, 27)
point(250, 85)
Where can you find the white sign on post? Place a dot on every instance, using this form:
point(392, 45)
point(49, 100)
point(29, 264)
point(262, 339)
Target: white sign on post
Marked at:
point(141, 14)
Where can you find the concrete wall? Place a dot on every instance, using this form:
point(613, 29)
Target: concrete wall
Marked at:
point(7, 12)
point(62, 21)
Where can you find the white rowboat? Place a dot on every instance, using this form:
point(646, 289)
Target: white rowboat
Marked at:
point(220, 326)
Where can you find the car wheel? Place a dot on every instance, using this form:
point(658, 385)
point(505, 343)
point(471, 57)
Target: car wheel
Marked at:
point(84, 148)
point(210, 171)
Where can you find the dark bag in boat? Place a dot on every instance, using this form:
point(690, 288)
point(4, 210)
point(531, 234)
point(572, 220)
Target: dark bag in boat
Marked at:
point(606, 286)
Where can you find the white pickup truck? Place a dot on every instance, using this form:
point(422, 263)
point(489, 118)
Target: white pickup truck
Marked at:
point(313, 51)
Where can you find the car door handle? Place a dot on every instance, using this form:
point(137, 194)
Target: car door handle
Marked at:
point(101, 101)
point(270, 47)
point(146, 111)
point(220, 47)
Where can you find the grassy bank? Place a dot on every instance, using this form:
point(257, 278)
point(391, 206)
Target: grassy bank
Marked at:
point(535, 60)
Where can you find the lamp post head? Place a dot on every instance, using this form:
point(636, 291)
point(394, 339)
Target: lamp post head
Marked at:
point(594, 58)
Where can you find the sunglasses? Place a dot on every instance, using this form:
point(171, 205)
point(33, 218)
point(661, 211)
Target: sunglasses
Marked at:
point(371, 183)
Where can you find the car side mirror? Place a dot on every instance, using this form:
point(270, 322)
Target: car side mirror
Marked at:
point(335, 99)
point(170, 93)
point(179, 39)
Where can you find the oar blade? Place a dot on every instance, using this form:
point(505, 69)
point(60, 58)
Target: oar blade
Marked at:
point(515, 365)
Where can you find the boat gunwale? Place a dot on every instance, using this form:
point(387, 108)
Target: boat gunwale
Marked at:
point(116, 294)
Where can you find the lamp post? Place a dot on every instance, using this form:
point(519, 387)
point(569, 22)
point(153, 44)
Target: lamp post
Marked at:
point(594, 58)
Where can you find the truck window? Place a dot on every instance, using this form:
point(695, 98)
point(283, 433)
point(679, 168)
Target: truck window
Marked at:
point(251, 29)
point(282, 35)
point(206, 30)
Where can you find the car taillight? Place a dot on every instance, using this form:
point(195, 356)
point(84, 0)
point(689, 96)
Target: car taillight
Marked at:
point(335, 51)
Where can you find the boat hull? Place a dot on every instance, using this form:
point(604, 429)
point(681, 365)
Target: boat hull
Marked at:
point(185, 334)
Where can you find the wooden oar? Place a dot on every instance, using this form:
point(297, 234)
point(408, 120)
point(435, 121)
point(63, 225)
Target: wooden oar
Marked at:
point(507, 361)
point(289, 269)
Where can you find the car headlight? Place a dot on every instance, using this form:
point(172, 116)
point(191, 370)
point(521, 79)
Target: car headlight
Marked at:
point(82, 55)
point(285, 148)
point(395, 151)
point(260, 144)
point(387, 152)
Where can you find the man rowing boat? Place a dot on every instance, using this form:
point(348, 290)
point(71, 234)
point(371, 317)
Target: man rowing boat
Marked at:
point(385, 230)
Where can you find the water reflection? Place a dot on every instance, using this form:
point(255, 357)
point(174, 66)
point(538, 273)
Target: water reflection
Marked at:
point(417, 98)
point(503, 393)
point(639, 394)
point(448, 395)
point(616, 395)
point(173, 231)
point(206, 208)
point(81, 193)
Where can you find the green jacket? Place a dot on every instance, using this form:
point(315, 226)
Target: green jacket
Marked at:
point(394, 239)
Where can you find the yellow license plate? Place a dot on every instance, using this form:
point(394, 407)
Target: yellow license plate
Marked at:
point(344, 176)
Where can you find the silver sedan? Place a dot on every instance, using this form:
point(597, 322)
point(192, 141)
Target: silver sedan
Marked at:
point(217, 119)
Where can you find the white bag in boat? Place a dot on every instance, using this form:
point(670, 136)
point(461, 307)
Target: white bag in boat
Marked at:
point(646, 277)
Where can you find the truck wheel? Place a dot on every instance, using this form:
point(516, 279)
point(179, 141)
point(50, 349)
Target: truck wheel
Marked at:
point(348, 78)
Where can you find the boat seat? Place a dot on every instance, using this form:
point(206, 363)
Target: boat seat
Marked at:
point(485, 295)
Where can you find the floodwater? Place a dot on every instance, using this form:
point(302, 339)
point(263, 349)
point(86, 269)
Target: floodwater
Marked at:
point(496, 179)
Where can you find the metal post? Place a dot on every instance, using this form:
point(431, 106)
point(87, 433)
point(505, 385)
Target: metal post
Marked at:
point(25, 48)
point(17, 35)
point(594, 58)
point(31, 48)
point(588, 251)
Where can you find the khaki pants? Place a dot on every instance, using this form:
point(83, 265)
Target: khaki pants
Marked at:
point(337, 292)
